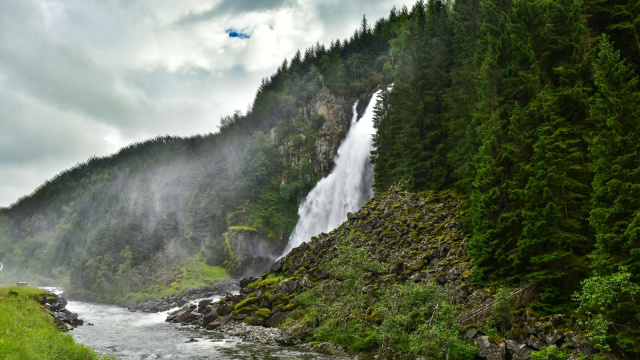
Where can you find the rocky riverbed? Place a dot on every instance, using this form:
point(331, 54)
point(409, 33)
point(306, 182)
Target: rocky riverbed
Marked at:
point(219, 289)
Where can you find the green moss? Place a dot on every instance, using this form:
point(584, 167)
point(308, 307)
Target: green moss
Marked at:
point(288, 307)
point(495, 339)
point(242, 228)
point(471, 326)
point(262, 313)
point(246, 302)
point(244, 310)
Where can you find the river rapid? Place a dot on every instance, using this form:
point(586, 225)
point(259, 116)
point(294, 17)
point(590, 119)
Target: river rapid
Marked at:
point(135, 335)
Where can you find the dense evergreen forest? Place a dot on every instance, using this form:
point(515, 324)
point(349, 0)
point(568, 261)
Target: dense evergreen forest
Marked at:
point(531, 109)
point(527, 108)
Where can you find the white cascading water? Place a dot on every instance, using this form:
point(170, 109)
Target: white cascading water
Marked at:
point(346, 188)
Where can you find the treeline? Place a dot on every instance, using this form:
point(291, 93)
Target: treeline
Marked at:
point(531, 108)
point(95, 223)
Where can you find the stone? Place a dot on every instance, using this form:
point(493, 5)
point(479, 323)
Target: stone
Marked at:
point(552, 337)
point(534, 342)
point(489, 350)
point(224, 309)
point(210, 317)
point(216, 324)
point(246, 281)
point(470, 332)
point(533, 327)
point(203, 303)
point(521, 353)
point(182, 318)
point(276, 319)
point(276, 266)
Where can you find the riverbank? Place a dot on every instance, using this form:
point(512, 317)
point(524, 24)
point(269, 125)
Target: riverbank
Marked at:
point(30, 332)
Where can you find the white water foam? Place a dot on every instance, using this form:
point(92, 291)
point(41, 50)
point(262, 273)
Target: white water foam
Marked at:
point(346, 188)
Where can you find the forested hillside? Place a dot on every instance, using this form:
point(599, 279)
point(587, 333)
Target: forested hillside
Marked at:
point(529, 109)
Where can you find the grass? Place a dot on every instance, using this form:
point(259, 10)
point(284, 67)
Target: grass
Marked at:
point(27, 331)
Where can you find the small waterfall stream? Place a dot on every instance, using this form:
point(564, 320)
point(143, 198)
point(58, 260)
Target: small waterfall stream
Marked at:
point(346, 188)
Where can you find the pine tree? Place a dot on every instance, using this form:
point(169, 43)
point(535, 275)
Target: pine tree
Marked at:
point(615, 152)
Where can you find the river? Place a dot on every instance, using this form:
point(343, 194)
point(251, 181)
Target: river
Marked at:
point(134, 335)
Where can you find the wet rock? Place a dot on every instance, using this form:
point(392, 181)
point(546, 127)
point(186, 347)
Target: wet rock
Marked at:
point(219, 322)
point(246, 281)
point(210, 317)
point(221, 288)
point(56, 307)
point(204, 303)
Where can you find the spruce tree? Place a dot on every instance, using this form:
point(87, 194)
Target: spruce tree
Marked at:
point(615, 152)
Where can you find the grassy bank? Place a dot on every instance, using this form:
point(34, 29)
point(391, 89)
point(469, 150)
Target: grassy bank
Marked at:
point(27, 331)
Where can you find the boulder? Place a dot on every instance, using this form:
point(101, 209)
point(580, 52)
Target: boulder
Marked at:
point(470, 332)
point(488, 348)
point(533, 327)
point(210, 317)
point(204, 303)
point(534, 342)
point(276, 319)
point(552, 337)
point(216, 324)
point(246, 281)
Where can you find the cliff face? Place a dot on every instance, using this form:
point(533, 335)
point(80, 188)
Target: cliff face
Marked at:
point(318, 133)
point(337, 112)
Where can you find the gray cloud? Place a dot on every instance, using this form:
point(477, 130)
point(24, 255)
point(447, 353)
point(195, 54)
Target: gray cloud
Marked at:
point(230, 7)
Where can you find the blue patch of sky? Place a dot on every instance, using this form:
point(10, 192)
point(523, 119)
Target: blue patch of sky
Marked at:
point(237, 34)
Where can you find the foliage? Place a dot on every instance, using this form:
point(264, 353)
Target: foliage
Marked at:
point(420, 320)
point(28, 332)
point(549, 353)
point(612, 303)
point(501, 312)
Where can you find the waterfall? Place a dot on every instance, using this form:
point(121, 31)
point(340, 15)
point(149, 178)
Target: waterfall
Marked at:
point(346, 188)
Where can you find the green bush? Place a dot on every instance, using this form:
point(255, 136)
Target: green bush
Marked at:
point(549, 353)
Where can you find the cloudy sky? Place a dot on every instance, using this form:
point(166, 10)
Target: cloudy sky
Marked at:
point(82, 78)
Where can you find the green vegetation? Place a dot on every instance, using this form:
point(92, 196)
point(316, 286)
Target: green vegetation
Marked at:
point(549, 353)
point(529, 108)
point(194, 274)
point(611, 303)
point(28, 332)
point(401, 320)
